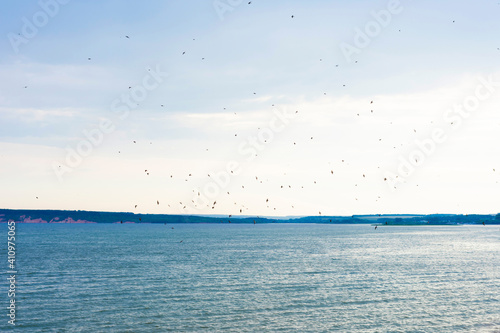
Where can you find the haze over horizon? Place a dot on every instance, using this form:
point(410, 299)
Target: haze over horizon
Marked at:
point(346, 108)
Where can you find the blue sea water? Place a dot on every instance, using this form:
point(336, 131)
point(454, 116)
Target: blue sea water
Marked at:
point(254, 278)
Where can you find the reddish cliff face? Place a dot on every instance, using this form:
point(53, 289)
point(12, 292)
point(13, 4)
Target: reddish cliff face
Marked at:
point(28, 219)
point(70, 220)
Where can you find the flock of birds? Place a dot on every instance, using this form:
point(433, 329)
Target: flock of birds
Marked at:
point(240, 207)
point(183, 205)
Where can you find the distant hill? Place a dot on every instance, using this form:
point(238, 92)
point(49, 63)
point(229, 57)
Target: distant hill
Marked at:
point(81, 216)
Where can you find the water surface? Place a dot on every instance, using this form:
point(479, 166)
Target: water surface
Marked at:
point(255, 278)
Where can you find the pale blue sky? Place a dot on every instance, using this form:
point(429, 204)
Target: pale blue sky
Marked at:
point(427, 58)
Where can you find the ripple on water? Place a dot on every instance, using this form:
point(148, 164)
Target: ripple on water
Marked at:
point(257, 278)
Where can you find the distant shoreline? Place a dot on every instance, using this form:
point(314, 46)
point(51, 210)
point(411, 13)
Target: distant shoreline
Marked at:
point(82, 217)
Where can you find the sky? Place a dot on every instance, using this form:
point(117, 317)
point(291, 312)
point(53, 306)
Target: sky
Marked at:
point(251, 108)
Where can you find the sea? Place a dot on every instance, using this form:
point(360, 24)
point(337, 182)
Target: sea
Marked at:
point(252, 278)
